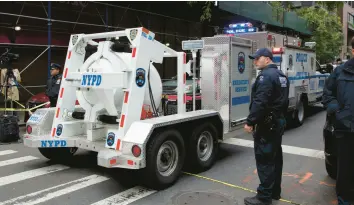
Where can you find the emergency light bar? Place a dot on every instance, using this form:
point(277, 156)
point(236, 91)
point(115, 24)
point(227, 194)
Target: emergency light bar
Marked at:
point(278, 50)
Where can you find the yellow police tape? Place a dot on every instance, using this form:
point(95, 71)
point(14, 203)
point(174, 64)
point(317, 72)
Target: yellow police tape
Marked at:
point(23, 110)
point(234, 186)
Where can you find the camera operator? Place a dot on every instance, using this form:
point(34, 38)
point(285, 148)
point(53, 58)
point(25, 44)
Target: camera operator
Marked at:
point(53, 84)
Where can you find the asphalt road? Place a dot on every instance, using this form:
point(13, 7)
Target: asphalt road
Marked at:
point(26, 177)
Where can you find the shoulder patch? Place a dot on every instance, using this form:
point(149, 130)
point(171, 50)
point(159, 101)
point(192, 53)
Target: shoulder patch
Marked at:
point(261, 78)
point(282, 81)
point(58, 81)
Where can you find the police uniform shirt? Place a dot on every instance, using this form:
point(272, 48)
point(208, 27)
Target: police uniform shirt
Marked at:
point(53, 86)
point(270, 93)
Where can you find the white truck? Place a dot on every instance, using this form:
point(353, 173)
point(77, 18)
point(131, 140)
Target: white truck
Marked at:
point(117, 90)
point(306, 83)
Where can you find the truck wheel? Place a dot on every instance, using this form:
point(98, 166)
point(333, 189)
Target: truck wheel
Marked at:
point(58, 154)
point(331, 169)
point(164, 159)
point(203, 148)
point(299, 114)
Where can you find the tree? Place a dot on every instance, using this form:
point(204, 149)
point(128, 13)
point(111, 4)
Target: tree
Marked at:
point(206, 15)
point(325, 23)
point(327, 31)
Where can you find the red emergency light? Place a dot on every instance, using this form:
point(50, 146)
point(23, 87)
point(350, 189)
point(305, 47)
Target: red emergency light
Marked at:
point(278, 50)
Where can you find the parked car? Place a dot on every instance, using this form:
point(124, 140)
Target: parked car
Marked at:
point(330, 147)
point(169, 87)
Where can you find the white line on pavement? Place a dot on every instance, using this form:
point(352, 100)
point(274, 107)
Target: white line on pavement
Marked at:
point(49, 193)
point(17, 160)
point(6, 152)
point(286, 149)
point(31, 174)
point(127, 197)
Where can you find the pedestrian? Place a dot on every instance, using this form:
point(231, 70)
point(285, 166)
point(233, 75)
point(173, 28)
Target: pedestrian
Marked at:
point(53, 84)
point(269, 102)
point(339, 101)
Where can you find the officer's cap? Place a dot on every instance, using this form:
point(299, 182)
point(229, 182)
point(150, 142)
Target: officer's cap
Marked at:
point(262, 52)
point(55, 66)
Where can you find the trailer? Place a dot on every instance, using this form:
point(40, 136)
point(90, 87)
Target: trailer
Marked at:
point(119, 93)
point(306, 83)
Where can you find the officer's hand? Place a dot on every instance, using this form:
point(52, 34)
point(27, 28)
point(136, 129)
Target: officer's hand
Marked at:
point(248, 129)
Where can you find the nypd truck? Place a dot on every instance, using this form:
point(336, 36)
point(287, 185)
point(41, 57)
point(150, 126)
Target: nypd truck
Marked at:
point(306, 83)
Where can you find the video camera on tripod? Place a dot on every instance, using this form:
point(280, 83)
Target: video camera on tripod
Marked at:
point(6, 60)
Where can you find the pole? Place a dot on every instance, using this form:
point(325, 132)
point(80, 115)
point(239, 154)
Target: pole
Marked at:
point(194, 54)
point(49, 35)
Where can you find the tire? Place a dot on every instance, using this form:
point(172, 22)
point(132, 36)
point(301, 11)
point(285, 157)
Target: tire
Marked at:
point(58, 154)
point(203, 148)
point(299, 113)
point(331, 168)
point(170, 143)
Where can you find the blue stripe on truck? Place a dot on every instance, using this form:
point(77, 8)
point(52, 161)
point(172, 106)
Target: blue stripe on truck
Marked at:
point(240, 100)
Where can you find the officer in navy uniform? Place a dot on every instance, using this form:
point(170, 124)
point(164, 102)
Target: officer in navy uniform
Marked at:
point(339, 101)
point(53, 84)
point(269, 103)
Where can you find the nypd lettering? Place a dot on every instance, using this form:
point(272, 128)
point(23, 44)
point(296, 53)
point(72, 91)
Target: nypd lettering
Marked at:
point(53, 143)
point(301, 57)
point(91, 80)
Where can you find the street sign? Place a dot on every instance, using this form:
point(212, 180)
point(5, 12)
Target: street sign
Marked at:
point(193, 45)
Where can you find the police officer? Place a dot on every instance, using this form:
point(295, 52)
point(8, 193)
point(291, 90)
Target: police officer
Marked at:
point(53, 84)
point(339, 101)
point(269, 102)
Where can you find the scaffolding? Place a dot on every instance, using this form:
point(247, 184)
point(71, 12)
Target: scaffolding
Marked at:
point(51, 19)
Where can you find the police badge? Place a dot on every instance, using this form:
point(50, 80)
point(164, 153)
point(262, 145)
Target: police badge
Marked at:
point(133, 34)
point(241, 62)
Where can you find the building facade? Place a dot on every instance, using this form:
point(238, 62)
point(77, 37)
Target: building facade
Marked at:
point(347, 18)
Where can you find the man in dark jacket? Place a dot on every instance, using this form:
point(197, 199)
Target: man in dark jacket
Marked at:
point(53, 84)
point(338, 98)
point(269, 102)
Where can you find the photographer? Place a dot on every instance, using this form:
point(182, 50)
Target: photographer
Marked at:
point(53, 84)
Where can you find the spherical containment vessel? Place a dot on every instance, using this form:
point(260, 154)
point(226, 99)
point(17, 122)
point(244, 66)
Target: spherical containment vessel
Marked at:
point(110, 101)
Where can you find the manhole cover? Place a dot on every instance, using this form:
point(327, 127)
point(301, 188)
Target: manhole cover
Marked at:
point(202, 198)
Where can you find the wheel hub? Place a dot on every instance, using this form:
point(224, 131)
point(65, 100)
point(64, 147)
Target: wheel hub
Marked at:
point(205, 146)
point(167, 158)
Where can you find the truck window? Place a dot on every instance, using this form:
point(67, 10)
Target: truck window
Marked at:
point(313, 63)
point(290, 62)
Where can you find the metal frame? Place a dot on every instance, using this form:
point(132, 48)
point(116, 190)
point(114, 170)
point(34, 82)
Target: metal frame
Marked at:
point(73, 133)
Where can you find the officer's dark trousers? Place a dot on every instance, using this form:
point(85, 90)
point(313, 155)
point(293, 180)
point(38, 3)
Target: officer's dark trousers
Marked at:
point(53, 101)
point(269, 161)
point(345, 166)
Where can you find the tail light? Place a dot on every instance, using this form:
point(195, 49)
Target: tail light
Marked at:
point(136, 150)
point(29, 129)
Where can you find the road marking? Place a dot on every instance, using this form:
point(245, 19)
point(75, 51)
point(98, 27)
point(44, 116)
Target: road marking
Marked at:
point(49, 193)
point(30, 174)
point(6, 152)
point(307, 176)
point(17, 160)
point(286, 149)
point(127, 196)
